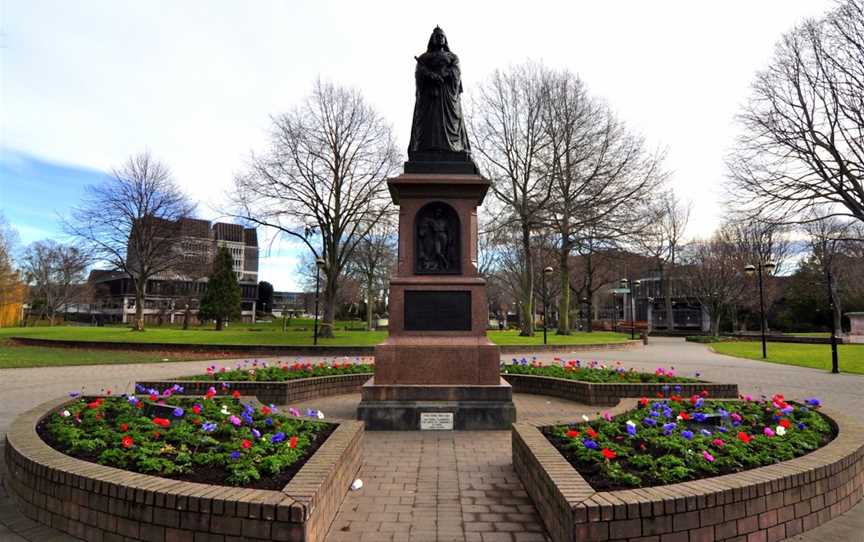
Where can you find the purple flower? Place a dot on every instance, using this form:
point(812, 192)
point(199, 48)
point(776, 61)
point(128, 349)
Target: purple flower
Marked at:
point(813, 402)
point(132, 400)
point(705, 432)
point(268, 421)
point(687, 435)
point(178, 412)
point(208, 427)
point(668, 428)
point(256, 433)
point(801, 425)
point(235, 455)
point(139, 388)
point(722, 413)
point(294, 412)
point(590, 444)
point(699, 402)
point(234, 420)
point(677, 388)
point(649, 421)
point(699, 417)
point(631, 429)
point(311, 412)
point(277, 438)
point(74, 394)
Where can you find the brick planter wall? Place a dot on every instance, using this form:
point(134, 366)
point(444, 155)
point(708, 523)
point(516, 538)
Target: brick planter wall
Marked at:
point(609, 394)
point(760, 505)
point(279, 393)
point(96, 502)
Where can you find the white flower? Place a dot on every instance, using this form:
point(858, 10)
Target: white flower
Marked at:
point(631, 423)
point(357, 484)
point(321, 417)
point(65, 413)
point(584, 417)
point(224, 410)
point(780, 430)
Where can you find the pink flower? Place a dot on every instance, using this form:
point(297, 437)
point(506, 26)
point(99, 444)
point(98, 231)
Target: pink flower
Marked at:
point(235, 420)
point(718, 442)
point(708, 457)
point(768, 432)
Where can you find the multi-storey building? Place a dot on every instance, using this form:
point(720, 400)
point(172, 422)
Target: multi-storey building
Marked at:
point(170, 293)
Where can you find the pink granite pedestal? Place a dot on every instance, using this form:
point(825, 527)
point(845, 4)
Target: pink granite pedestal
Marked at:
point(437, 358)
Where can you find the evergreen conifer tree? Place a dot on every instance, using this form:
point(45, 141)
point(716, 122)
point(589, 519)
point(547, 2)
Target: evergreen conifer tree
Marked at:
point(221, 301)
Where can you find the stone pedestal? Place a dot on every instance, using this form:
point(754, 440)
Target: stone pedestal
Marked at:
point(856, 330)
point(437, 358)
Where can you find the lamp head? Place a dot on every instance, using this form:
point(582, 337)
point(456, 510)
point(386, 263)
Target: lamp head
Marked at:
point(548, 271)
point(750, 269)
point(769, 266)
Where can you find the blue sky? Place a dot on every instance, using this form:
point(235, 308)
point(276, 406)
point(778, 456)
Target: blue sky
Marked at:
point(36, 193)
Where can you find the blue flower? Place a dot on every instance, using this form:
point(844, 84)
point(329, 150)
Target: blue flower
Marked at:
point(699, 402)
point(813, 402)
point(687, 435)
point(590, 444)
point(722, 413)
point(208, 427)
point(277, 438)
point(705, 432)
point(235, 455)
point(668, 428)
point(74, 394)
point(700, 417)
point(723, 430)
point(678, 388)
point(178, 412)
point(649, 421)
point(256, 433)
point(631, 429)
point(801, 425)
point(268, 421)
point(132, 400)
point(139, 388)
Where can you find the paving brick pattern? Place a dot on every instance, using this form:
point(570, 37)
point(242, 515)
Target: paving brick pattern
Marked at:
point(26, 388)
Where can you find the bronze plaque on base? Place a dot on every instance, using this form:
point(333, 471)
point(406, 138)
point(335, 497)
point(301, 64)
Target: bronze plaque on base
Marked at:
point(427, 310)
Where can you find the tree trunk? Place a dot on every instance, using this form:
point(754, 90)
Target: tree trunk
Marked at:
point(186, 318)
point(325, 329)
point(527, 321)
point(219, 324)
point(369, 304)
point(667, 297)
point(564, 305)
point(139, 306)
point(589, 318)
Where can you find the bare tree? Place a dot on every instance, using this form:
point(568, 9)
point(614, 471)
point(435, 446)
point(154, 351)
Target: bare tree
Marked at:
point(661, 239)
point(372, 263)
point(132, 221)
point(56, 273)
point(323, 180)
point(802, 145)
point(714, 275)
point(597, 169)
point(508, 125)
point(10, 283)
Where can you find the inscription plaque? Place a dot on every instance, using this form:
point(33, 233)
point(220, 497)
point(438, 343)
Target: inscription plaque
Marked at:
point(436, 421)
point(437, 310)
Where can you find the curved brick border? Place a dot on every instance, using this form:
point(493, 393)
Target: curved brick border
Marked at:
point(609, 394)
point(96, 502)
point(763, 504)
point(286, 350)
point(278, 393)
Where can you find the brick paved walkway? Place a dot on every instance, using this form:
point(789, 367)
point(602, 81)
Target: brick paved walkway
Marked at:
point(448, 486)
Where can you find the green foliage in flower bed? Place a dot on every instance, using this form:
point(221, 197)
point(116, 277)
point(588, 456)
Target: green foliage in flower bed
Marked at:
point(211, 440)
point(593, 371)
point(676, 440)
point(261, 371)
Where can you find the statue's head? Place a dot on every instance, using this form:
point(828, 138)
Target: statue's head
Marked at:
point(437, 41)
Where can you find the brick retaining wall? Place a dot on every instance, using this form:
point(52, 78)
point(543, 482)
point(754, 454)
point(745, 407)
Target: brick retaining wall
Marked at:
point(279, 393)
point(759, 505)
point(97, 502)
point(609, 394)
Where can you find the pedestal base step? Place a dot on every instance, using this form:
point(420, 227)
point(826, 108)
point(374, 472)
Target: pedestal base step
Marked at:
point(419, 415)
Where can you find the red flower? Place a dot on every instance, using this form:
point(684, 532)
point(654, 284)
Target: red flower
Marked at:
point(153, 397)
point(196, 409)
point(785, 423)
point(660, 395)
point(265, 410)
point(236, 394)
point(246, 444)
point(704, 393)
point(128, 442)
point(684, 416)
point(124, 427)
point(694, 399)
point(94, 404)
point(744, 437)
point(161, 422)
point(643, 401)
point(139, 405)
point(156, 435)
point(293, 442)
point(591, 433)
point(609, 454)
point(572, 434)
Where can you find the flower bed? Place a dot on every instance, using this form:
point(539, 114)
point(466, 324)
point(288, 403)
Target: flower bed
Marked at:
point(261, 371)
point(216, 440)
point(771, 502)
point(93, 501)
point(593, 371)
point(676, 440)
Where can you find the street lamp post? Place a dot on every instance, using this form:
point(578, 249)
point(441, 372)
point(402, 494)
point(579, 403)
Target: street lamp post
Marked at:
point(750, 269)
point(319, 265)
point(547, 271)
point(624, 283)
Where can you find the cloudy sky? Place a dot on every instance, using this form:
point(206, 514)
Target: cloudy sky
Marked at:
point(85, 84)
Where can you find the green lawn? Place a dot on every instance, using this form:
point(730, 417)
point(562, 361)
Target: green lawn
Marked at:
point(13, 357)
point(822, 334)
point(817, 356)
point(272, 334)
point(299, 334)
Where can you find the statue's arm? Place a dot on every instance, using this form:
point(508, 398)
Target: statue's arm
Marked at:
point(455, 71)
